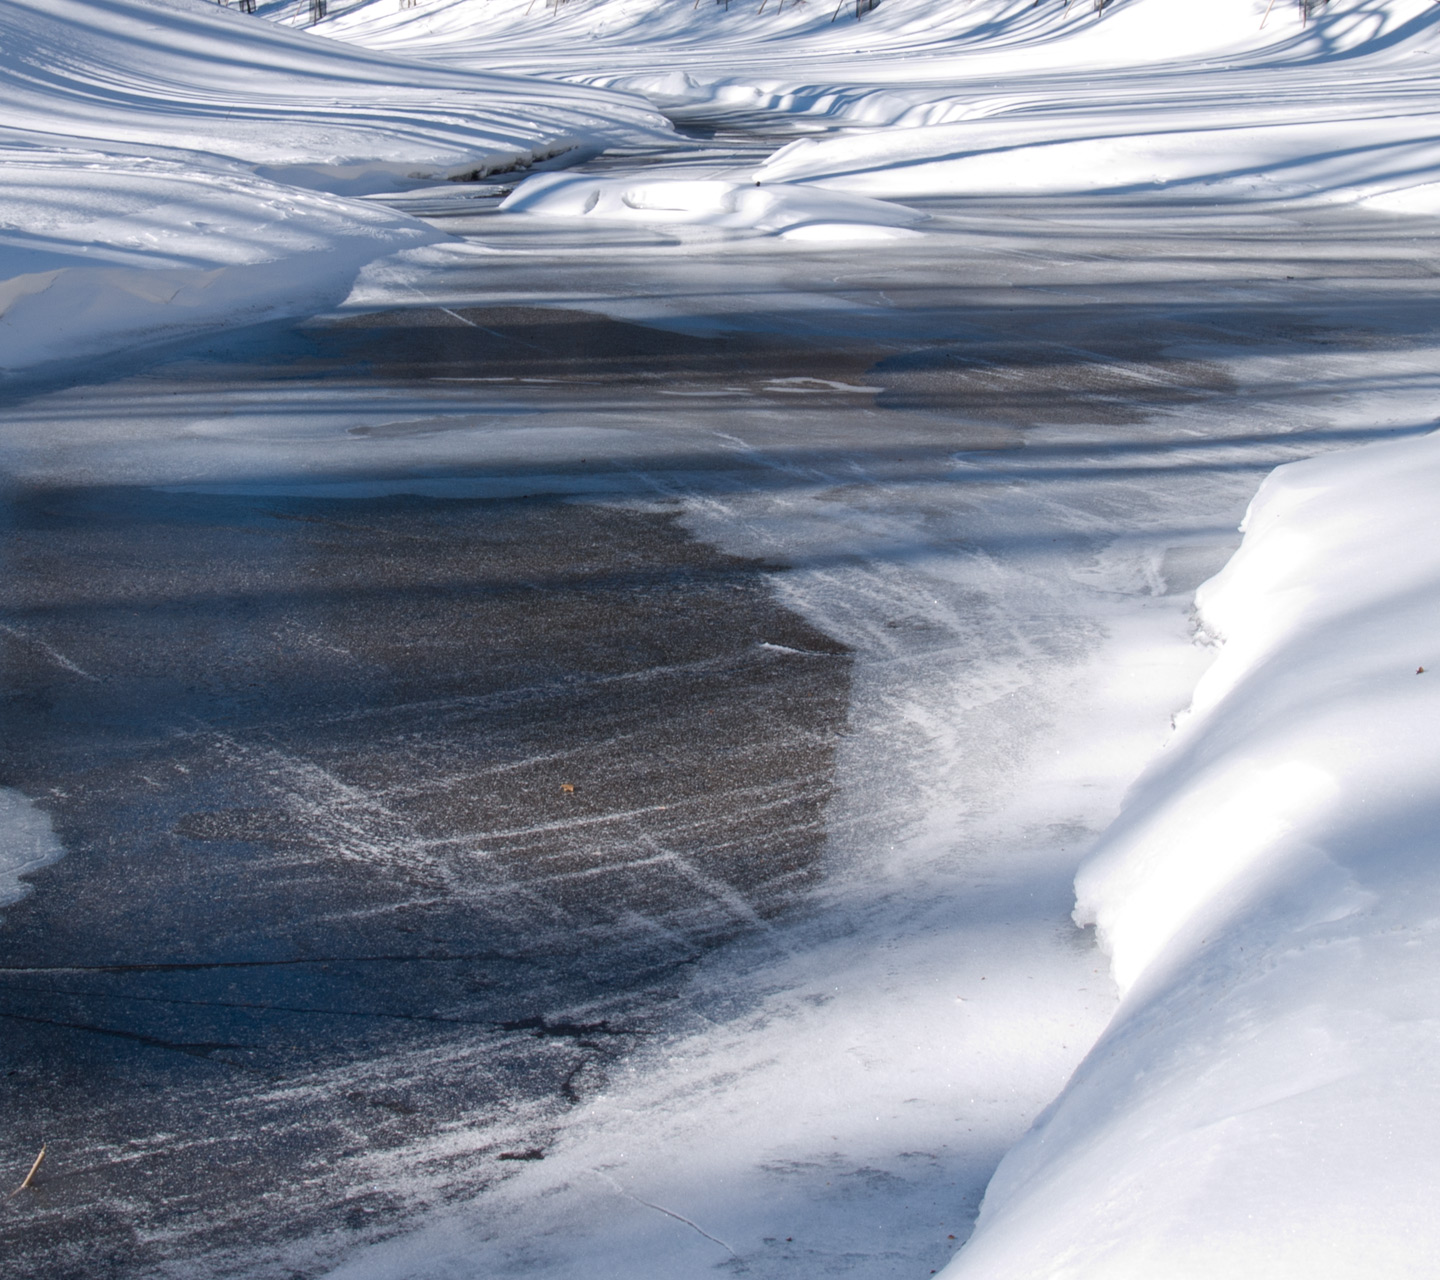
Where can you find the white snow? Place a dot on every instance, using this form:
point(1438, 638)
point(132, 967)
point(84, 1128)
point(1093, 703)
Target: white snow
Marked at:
point(154, 76)
point(1350, 160)
point(155, 157)
point(1263, 1103)
point(1233, 97)
point(167, 100)
point(792, 213)
point(100, 251)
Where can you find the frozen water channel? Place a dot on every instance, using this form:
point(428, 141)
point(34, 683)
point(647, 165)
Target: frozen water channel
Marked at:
point(574, 763)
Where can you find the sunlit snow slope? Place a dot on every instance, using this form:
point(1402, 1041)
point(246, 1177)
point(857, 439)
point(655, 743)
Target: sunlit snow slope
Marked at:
point(131, 74)
point(1264, 1103)
point(151, 151)
point(1233, 97)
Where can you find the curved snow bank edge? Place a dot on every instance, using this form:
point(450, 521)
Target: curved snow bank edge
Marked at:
point(379, 177)
point(103, 251)
point(85, 311)
point(168, 76)
point(1378, 160)
point(1262, 1104)
point(791, 212)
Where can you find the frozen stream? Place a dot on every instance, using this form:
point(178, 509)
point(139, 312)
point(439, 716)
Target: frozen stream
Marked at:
point(573, 765)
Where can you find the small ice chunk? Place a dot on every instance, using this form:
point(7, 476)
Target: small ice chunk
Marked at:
point(27, 843)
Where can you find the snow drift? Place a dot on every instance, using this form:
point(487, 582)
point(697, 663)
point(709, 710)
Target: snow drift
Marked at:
point(1371, 159)
point(164, 165)
point(1021, 36)
point(99, 251)
point(789, 212)
point(122, 75)
point(1263, 1104)
point(1233, 99)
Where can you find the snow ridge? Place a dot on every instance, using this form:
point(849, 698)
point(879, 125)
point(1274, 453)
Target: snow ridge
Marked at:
point(167, 165)
point(1262, 1104)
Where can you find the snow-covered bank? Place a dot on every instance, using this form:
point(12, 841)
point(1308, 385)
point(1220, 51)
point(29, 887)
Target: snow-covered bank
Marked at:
point(1264, 1104)
point(101, 251)
point(153, 76)
point(790, 212)
point(1236, 97)
point(164, 165)
point(1016, 34)
point(1393, 161)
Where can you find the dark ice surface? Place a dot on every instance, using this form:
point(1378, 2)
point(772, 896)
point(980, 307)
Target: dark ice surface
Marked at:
point(380, 816)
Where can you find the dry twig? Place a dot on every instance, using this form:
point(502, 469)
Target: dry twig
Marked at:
point(29, 1177)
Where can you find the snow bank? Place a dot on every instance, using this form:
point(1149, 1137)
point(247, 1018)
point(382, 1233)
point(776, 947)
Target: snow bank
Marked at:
point(929, 62)
point(99, 251)
point(1264, 1103)
point(792, 213)
point(1230, 98)
point(1231, 111)
point(162, 75)
point(163, 165)
point(1349, 159)
point(457, 30)
point(1020, 35)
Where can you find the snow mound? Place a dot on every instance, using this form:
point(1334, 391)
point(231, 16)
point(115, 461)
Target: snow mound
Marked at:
point(99, 251)
point(185, 74)
point(795, 213)
point(1359, 159)
point(163, 164)
point(1014, 35)
point(1263, 1104)
point(913, 63)
point(1230, 99)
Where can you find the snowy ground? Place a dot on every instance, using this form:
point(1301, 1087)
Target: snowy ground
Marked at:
point(168, 167)
point(883, 521)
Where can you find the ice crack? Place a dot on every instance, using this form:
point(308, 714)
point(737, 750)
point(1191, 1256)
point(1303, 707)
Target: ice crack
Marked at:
point(669, 1213)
